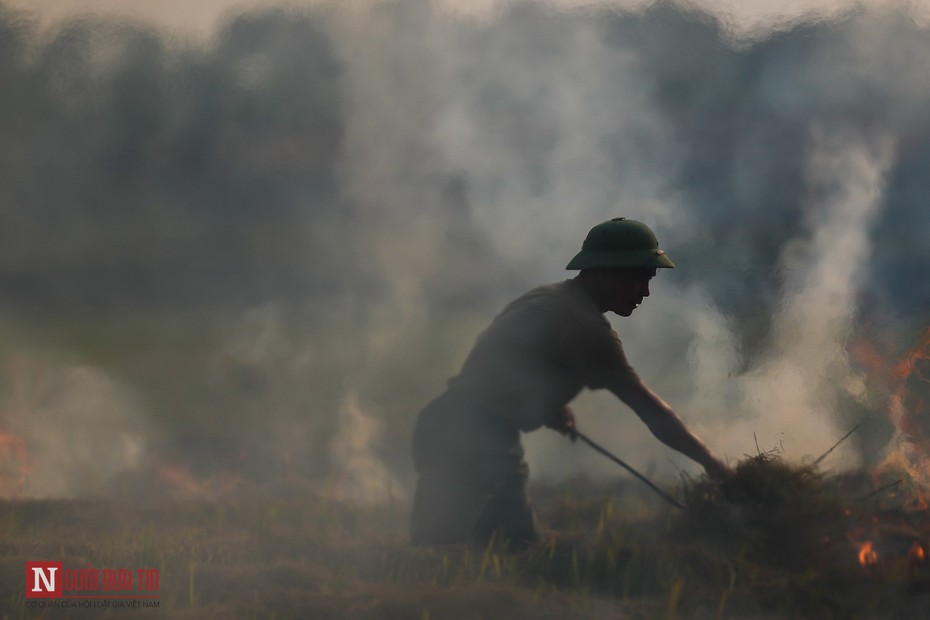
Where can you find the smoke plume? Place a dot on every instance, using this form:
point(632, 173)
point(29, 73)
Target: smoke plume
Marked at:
point(263, 248)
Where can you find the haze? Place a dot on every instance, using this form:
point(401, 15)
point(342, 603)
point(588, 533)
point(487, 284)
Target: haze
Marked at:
point(743, 17)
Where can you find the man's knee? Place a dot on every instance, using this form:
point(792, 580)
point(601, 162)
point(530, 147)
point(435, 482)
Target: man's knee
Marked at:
point(509, 516)
point(444, 511)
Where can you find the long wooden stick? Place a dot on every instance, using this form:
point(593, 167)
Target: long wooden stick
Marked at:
point(887, 487)
point(638, 475)
point(833, 447)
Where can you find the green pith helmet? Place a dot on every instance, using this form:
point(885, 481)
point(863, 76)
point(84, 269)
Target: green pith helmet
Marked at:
point(620, 243)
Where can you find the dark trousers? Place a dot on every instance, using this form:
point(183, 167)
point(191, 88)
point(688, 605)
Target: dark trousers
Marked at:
point(472, 482)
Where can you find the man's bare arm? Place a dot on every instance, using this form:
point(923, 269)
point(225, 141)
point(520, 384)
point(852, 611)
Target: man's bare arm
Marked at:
point(666, 425)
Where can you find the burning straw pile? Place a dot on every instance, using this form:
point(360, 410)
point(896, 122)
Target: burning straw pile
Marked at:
point(791, 516)
point(771, 512)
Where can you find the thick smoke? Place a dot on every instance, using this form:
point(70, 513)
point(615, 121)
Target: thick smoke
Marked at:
point(283, 238)
point(795, 388)
point(68, 428)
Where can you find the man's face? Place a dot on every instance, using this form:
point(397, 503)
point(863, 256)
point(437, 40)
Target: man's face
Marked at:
point(628, 287)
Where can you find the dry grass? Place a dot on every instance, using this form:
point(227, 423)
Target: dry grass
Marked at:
point(774, 543)
point(772, 512)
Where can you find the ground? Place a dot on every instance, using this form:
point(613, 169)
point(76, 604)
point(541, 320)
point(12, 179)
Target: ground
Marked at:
point(287, 552)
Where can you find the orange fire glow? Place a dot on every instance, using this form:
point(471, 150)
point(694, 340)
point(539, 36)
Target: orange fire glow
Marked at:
point(181, 481)
point(15, 465)
point(867, 554)
point(906, 366)
point(907, 382)
point(916, 553)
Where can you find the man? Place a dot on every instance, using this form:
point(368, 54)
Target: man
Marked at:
point(535, 357)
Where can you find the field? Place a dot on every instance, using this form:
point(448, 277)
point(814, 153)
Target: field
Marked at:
point(284, 551)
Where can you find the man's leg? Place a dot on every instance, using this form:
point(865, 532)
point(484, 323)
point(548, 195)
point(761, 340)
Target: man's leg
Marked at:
point(508, 514)
point(472, 477)
point(446, 502)
point(444, 509)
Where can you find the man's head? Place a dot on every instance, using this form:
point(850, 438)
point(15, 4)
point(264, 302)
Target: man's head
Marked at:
point(617, 289)
point(617, 260)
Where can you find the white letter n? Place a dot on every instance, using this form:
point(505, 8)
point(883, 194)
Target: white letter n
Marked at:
point(48, 582)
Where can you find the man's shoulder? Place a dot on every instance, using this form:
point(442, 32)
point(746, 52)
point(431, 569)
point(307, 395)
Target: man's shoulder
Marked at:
point(563, 301)
point(566, 291)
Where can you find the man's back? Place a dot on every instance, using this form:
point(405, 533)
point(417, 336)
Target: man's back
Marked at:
point(538, 354)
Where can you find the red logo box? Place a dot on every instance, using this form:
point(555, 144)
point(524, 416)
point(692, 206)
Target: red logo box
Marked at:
point(43, 579)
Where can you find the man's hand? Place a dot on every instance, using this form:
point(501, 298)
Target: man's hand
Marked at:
point(718, 470)
point(564, 422)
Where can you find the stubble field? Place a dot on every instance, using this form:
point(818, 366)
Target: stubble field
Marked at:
point(287, 552)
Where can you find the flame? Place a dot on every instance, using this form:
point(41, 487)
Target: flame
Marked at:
point(916, 553)
point(867, 554)
point(865, 355)
point(15, 464)
point(907, 408)
point(908, 363)
point(907, 382)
